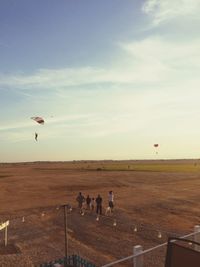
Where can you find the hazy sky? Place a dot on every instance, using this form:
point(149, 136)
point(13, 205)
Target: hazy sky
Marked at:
point(110, 78)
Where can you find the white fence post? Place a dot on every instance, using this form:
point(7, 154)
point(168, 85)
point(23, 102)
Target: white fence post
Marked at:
point(197, 236)
point(5, 226)
point(137, 261)
point(6, 236)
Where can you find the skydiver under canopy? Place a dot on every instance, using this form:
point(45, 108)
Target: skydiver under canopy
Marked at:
point(156, 146)
point(36, 136)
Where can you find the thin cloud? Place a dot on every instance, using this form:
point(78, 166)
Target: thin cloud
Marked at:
point(66, 78)
point(162, 60)
point(31, 124)
point(151, 60)
point(164, 10)
point(59, 78)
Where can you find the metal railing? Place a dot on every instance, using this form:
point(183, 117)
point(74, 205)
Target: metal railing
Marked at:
point(138, 252)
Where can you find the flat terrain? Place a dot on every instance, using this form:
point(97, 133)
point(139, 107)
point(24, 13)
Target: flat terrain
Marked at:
point(152, 196)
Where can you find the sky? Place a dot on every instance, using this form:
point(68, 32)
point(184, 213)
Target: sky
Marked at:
point(110, 78)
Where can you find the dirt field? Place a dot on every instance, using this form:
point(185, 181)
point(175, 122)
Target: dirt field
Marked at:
point(154, 196)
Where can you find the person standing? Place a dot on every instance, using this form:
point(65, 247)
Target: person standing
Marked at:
point(88, 201)
point(99, 204)
point(92, 203)
point(111, 200)
point(80, 199)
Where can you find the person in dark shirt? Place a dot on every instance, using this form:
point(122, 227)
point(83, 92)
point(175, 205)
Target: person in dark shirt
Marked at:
point(88, 201)
point(99, 204)
point(80, 199)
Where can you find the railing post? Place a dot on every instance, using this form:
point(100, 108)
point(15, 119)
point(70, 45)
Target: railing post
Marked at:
point(197, 236)
point(137, 261)
point(6, 236)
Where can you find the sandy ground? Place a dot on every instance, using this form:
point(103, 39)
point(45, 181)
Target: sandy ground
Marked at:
point(152, 201)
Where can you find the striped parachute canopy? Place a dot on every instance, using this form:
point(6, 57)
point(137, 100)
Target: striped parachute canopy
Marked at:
point(39, 120)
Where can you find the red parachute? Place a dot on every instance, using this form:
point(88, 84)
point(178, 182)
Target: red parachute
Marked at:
point(156, 147)
point(39, 120)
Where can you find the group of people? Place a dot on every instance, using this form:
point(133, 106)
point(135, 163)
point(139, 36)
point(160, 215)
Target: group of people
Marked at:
point(90, 203)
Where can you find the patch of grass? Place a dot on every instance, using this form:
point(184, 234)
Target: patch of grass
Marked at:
point(151, 167)
point(187, 166)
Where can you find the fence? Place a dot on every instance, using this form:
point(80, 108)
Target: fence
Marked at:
point(30, 230)
point(73, 260)
point(5, 226)
point(138, 252)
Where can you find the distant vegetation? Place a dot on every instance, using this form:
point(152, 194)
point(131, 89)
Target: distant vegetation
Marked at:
point(114, 165)
point(130, 165)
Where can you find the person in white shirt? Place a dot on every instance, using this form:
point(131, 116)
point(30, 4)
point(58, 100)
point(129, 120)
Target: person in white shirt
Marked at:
point(110, 207)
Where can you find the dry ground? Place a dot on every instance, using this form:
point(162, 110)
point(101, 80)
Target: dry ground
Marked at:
point(152, 195)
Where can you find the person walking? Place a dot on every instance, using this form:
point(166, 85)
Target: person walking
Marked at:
point(99, 204)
